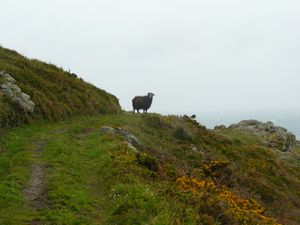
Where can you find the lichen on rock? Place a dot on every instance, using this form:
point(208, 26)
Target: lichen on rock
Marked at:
point(274, 136)
point(131, 140)
point(9, 88)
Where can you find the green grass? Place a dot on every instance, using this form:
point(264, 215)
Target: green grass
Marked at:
point(57, 94)
point(95, 178)
point(82, 178)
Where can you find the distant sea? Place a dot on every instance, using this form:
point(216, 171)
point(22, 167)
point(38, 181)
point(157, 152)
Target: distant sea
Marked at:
point(288, 119)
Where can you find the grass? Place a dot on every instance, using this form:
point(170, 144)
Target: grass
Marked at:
point(57, 94)
point(181, 174)
point(95, 178)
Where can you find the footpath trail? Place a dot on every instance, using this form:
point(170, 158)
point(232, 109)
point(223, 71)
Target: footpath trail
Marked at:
point(48, 176)
point(71, 173)
point(35, 192)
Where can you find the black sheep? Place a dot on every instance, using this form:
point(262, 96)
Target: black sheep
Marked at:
point(142, 102)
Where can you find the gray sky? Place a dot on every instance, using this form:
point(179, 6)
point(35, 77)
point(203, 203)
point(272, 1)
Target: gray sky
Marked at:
point(195, 55)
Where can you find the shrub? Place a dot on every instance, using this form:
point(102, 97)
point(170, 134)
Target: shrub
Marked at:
point(182, 134)
point(215, 168)
point(233, 208)
point(155, 121)
point(148, 161)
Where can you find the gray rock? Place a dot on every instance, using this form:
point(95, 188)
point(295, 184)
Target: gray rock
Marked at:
point(132, 147)
point(129, 137)
point(289, 142)
point(108, 130)
point(24, 101)
point(10, 89)
point(220, 127)
point(7, 77)
point(14, 92)
point(132, 141)
point(274, 136)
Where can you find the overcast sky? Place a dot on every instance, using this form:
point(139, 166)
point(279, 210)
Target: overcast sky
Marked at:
point(195, 55)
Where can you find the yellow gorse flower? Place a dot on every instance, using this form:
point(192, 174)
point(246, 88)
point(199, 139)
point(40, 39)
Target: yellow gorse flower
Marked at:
point(244, 210)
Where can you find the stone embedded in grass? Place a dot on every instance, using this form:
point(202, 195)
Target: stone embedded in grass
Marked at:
point(14, 92)
point(130, 138)
point(108, 130)
point(131, 147)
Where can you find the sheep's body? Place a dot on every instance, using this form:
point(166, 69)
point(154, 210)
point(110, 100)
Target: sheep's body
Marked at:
point(142, 102)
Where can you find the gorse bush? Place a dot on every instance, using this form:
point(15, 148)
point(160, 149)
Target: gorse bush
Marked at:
point(98, 179)
point(180, 173)
point(148, 161)
point(215, 168)
point(182, 134)
point(57, 94)
point(231, 208)
point(155, 121)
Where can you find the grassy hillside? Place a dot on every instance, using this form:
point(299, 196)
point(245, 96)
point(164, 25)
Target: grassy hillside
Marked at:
point(68, 172)
point(56, 93)
point(181, 174)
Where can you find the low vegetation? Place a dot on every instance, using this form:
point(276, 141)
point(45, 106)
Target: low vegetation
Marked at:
point(60, 169)
point(57, 94)
point(95, 178)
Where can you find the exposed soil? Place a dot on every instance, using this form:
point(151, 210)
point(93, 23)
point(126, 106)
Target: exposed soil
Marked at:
point(35, 193)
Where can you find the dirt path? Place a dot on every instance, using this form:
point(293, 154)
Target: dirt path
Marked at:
point(35, 193)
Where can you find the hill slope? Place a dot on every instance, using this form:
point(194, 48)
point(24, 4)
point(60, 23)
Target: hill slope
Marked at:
point(56, 93)
point(177, 173)
point(129, 169)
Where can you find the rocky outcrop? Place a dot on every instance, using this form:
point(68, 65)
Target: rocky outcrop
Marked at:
point(131, 140)
point(220, 127)
point(274, 136)
point(128, 137)
point(9, 88)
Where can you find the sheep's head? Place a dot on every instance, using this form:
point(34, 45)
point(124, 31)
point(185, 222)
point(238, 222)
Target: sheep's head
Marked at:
point(150, 95)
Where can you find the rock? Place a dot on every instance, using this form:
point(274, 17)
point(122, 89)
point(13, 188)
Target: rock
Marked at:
point(14, 92)
point(108, 130)
point(24, 101)
point(274, 136)
point(220, 127)
point(129, 137)
point(132, 141)
point(7, 77)
point(289, 142)
point(132, 147)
